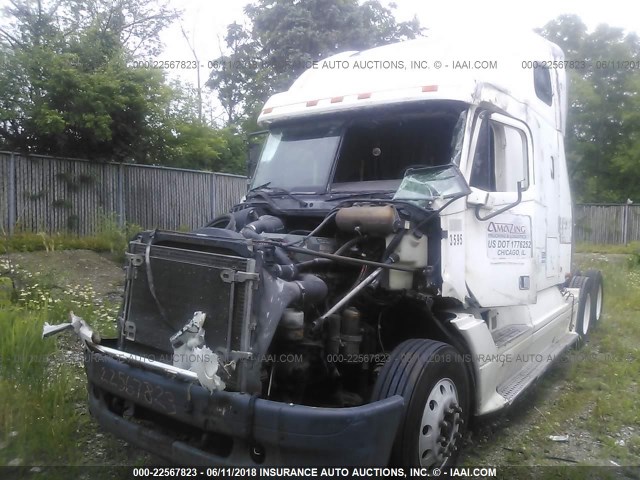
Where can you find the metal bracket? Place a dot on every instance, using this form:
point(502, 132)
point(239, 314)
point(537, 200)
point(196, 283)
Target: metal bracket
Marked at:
point(129, 330)
point(501, 210)
point(237, 355)
point(135, 259)
point(233, 276)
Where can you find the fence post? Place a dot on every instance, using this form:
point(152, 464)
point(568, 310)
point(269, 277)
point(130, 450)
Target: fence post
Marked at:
point(625, 222)
point(214, 188)
point(12, 200)
point(120, 197)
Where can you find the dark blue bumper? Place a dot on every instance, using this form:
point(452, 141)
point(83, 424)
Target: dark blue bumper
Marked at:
point(283, 434)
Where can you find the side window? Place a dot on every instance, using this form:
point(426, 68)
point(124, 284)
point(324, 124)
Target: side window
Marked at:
point(542, 84)
point(511, 161)
point(483, 168)
point(500, 160)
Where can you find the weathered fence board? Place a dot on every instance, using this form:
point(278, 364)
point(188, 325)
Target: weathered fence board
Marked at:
point(227, 191)
point(39, 193)
point(607, 223)
point(168, 199)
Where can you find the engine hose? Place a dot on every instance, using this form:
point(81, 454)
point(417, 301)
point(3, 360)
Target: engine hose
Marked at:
point(315, 230)
point(347, 245)
point(266, 223)
point(340, 258)
point(393, 244)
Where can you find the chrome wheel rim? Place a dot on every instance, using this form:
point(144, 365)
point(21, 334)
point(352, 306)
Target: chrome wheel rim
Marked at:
point(599, 302)
point(586, 316)
point(440, 425)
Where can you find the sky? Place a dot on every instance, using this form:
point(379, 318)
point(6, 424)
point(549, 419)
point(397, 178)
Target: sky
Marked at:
point(205, 21)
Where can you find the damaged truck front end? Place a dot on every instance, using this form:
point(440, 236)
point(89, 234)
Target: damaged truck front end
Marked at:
point(186, 378)
point(284, 333)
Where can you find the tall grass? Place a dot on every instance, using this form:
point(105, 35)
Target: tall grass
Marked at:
point(110, 237)
point(42, 387)
point(38, 418)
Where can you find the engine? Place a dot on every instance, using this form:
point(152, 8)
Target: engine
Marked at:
point(292, 309)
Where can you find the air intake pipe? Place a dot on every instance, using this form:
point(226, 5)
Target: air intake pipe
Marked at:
point(266, 223)
point(271, 224)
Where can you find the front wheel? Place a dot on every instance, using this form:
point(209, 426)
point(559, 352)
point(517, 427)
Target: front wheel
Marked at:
point(432, 379)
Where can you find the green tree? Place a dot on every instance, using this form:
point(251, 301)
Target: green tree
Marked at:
point(285, 37)
point(66, 87)
point(603, 124)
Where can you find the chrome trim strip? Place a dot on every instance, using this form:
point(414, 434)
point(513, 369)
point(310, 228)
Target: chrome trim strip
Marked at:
point(146, 362)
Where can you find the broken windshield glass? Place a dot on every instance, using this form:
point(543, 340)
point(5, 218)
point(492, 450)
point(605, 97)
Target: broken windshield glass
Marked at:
point(424, 184)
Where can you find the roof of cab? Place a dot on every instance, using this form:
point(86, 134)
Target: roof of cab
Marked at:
point(445, 65)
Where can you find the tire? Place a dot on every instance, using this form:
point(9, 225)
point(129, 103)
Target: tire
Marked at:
point(432, 379)
point(597, 295)
point(585, 303)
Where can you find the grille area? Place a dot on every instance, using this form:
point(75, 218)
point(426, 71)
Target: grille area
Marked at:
point(185, 281)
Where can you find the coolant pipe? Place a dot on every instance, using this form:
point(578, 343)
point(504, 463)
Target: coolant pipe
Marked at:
point(281, 256)
point(312, 289)
point(290, 270)
point(266, 223)
point(317, 324)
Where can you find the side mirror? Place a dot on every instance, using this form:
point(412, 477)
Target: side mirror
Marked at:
point(255, 142)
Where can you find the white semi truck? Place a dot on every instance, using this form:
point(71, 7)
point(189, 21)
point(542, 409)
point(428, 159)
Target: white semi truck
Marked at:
point(399, 266)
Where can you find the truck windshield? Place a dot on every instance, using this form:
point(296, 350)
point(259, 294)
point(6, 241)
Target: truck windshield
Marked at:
point(368, 152)
point(299, 158)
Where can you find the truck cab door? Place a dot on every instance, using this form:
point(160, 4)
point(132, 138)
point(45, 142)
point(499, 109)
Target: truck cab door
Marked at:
point(500, 214)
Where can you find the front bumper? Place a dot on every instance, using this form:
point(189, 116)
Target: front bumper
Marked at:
point(282, 434)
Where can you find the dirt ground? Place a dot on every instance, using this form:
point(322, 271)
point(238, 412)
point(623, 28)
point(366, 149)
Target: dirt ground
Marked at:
point(502, 440)
point(76, 267)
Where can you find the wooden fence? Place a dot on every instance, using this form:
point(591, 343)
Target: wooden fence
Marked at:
point(39, 193)
point(607, 223)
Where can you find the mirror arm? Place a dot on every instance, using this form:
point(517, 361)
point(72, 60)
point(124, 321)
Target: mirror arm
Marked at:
point(501, 210)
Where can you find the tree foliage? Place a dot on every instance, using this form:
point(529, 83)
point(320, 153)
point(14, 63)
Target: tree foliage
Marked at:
point(603, 129)
point(284, 37)
point(67, 87)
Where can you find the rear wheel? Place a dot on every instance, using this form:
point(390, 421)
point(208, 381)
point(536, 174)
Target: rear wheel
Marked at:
point(585, 304)
point(597, 295)
point(432, 379)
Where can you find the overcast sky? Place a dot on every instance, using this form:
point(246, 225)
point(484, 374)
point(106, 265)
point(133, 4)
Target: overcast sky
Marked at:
point(206, 20)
